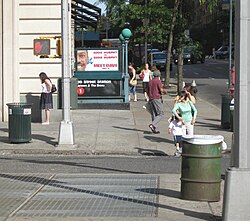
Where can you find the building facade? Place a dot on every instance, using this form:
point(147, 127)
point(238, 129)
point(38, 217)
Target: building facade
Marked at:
point(22, 21)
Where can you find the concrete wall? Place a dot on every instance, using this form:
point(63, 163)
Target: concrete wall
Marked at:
point(37, 18)
point(23, 21)
point(9, 55)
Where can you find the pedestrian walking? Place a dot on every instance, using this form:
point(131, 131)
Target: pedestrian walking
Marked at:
point(146, 75)
point(213, 53)
point(184, 107)
point(154, 69)
point(46, 102)
point(155, 102)
point(175, 128)
point(132, 82)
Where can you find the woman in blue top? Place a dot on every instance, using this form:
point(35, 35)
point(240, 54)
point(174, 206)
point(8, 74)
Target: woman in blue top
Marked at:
point(184, 106)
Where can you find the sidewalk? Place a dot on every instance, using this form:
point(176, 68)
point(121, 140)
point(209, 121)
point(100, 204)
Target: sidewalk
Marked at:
point(116, 131)
point(126, 132)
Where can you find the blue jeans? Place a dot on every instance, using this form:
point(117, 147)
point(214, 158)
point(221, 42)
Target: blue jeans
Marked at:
point(132, 89)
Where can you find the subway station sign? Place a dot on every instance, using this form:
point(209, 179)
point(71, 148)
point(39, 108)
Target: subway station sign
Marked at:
point(97, 60)
point(98, 88)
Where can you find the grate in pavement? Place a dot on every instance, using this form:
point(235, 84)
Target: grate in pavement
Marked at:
point(75, 195)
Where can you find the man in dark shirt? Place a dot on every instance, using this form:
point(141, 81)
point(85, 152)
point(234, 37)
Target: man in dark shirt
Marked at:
point(155, 101)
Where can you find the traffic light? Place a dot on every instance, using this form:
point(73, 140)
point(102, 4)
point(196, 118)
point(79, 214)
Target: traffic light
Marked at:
point(41, 47)
point(59, 47)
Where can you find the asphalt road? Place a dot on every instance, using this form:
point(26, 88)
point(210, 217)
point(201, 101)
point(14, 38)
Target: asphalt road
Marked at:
point(97, 164)
point(211, 79)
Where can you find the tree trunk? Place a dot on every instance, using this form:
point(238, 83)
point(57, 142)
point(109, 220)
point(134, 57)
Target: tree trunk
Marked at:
point(180, 71)
point(170, 43)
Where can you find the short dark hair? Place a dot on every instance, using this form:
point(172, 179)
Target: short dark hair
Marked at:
point(157, 73)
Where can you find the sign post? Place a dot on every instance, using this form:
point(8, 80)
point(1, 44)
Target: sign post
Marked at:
point(66, 135)
point(236, 201)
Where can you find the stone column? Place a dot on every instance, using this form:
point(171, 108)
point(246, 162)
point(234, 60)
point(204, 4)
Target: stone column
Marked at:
point(10, 61)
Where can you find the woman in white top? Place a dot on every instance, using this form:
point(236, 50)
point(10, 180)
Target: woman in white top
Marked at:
point(46, 102)
point(147, 75)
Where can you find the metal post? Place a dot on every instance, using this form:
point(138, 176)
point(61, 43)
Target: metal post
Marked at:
point(126, 72)
point(236, 202)
point(123, 57)
point(66, 135)
point(146, 32)
point(230, 44)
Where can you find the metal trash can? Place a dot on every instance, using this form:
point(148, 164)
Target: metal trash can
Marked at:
point(225, 110)
point(19, 122)
point(201, 168)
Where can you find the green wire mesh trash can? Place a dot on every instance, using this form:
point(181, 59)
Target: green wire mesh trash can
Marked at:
point(201, 168)
point(19, 122)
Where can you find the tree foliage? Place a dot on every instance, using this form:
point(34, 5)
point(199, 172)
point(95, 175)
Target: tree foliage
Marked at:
point(153, 18)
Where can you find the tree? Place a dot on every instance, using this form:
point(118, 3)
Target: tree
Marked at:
point(152, 20)
point(170, 42)
point(178, 18)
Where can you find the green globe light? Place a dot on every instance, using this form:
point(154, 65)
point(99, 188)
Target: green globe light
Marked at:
point(126, 33)
point(121, 37)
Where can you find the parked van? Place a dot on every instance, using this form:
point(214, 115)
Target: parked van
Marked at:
point(158, 59)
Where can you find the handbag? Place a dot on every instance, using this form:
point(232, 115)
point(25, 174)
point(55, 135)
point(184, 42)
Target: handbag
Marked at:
point(134, 82)
point(141, 75)
point(53, 89)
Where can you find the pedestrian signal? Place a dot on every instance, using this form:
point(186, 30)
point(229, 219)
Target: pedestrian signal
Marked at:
point(41, 47)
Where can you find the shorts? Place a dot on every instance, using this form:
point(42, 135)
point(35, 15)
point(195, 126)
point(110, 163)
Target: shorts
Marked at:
point(178, 139)
point(145, 87)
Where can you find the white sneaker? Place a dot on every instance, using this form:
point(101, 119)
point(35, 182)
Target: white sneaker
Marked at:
point(177, 153)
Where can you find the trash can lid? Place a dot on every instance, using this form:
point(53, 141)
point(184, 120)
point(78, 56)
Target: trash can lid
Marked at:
point(204, 139)
point(17, 105)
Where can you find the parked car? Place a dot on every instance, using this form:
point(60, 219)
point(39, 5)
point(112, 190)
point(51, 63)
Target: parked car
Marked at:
point(222, 52)
point(159, 60)
point(149, 51)
point(191, 55)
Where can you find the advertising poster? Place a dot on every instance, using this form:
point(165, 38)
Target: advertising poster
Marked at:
point(97, 60)
point(98, 88)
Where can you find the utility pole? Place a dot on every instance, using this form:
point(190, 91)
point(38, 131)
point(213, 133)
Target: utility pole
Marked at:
point(66, 134)
point(146, 21)
point(237, 192)
point(230, 42)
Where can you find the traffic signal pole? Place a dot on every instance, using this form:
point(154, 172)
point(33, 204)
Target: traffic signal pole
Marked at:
point(66, 133)
point(236, 201)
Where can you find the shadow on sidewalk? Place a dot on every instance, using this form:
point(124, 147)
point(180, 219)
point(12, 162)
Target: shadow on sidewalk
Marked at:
point(132, 129)
point(48, 140)
point(4, 139)
point(61, 185)
point(209, 125)
point(210, 119)
point(158, 139)
point(150, 152)
point(164, 192)
point(73, 164)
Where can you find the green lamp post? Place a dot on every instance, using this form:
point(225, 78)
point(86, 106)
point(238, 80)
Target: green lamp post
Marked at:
point(126, 33)
point(123, 53)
